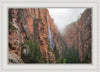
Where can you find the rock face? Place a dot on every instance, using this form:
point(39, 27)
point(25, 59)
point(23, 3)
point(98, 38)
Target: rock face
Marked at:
point(14, 58)
point(78, 34)
point(33, 24)
point(56, 36)
point(29, 24)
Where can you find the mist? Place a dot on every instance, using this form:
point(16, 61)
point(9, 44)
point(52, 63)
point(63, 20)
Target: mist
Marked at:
point(64, 16)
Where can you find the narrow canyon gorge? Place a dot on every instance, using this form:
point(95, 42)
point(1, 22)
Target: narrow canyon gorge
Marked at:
point(34, 38)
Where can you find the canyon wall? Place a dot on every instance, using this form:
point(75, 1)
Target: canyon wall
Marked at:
point(78, 35)
point(56, 36)
point(29, 24)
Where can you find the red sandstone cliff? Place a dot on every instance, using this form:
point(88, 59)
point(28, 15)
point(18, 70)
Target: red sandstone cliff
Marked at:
point(78, 34)
point(29, 24)
point(56, 36)
point(32, 24)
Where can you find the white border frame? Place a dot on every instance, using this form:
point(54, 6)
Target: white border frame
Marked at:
point(13, 4)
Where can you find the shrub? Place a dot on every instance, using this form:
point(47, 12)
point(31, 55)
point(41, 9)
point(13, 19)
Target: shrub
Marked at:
point(37, 19)
point(43, 24)
point(54, 34)
point(34, 55)
point(56, 52)
point(49, 48)
point(20, 14)
point(19, 17)
point(70, 56)
point(10, 17)
point(11, 27)
point(41, 28)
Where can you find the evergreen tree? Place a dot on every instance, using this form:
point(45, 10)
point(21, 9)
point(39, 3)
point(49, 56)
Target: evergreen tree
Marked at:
point(34, 55)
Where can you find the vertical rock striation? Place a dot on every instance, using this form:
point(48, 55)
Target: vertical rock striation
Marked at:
point(29, 24)
point(78, 34)
point(34, 23)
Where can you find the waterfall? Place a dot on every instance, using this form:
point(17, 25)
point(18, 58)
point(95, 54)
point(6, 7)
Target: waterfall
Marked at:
point(50, 38)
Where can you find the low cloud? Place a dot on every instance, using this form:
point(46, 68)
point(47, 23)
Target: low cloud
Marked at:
point(64, 16)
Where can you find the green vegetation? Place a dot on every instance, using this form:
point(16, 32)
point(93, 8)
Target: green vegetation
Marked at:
point(68, 56)
point(11, 27)
point(37, 19)
point(43, 24)
point(41, 28)
point(10, 17)
point(20, 16)
point(56, 52)
point(71, 56)
point(34, 55)
point(49, 48)
point(87, 59)
point(54, 34)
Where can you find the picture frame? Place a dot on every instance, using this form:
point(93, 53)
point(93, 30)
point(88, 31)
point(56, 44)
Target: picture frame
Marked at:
point(5, 67)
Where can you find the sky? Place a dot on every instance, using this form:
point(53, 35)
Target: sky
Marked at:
point(64, 16)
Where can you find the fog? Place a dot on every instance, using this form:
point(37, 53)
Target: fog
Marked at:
point(64, 16)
